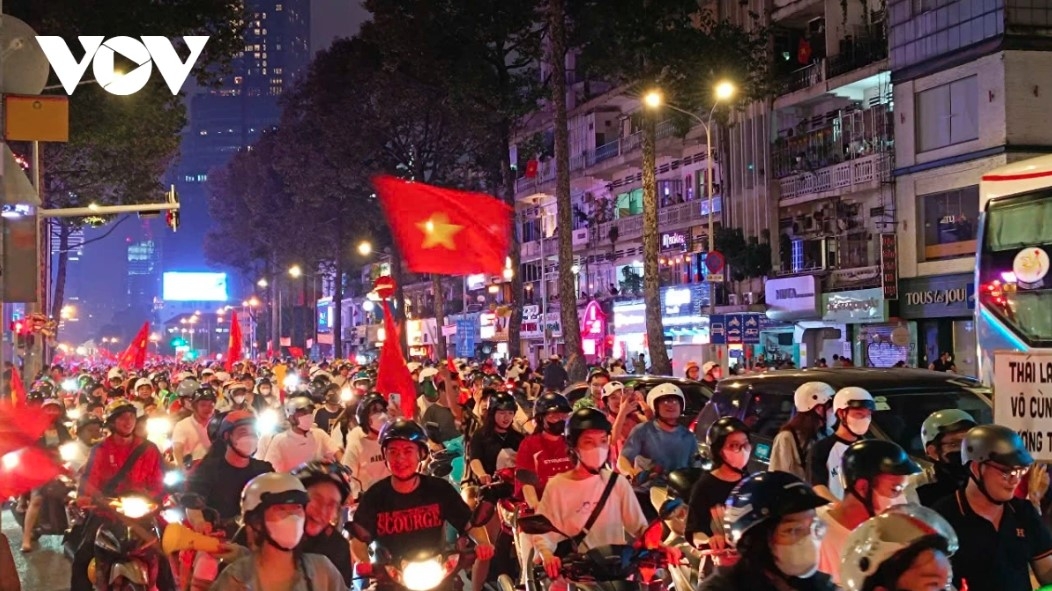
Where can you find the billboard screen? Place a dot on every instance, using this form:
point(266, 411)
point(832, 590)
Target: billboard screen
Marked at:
point(195, 287)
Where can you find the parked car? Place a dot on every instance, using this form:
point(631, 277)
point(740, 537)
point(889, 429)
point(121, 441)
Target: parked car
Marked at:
point(904, 398)
point(696, 393)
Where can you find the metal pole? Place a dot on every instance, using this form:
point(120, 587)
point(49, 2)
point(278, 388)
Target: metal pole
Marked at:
point(544, 292)
point(5, 394)
point(712, 230)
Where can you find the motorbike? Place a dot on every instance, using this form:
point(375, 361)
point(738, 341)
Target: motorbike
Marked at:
point(126, 557)
point(620, 567)
point(429, 569)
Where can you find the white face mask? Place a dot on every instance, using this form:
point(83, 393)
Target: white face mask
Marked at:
point(240, 398)
point(264, 391)
point(305, 422)
point(377, 421)
point(858, 426)
point(799, 559)
point(882, 503)
point(594, 458)
point(245, 445)
point(287, 531)
point(736, 459)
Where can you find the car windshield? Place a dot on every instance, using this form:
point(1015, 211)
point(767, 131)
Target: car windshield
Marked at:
point(900, 416)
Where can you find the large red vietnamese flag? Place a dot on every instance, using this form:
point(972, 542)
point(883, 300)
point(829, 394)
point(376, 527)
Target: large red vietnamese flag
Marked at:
point(134, 357)
point(234, 347)
point(445, 231)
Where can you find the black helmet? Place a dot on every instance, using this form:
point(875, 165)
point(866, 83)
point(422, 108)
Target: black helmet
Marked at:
point(994, 443)
point(88, 419)
point(597, 372)
point(204, 393)
point(681, 482)
point(718, 434)
point(334, 472)
point(405, 430)
point(550, 402)
point(585, 419)
point(502, 401)
point(215, 424)
point(323, 392)
point(868, 458)
point(264, 381)
point(36, 396)
point(765, 496)
point(362, 412)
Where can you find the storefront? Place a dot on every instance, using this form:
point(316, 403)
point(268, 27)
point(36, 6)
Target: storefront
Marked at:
point(805, 336)
point(939, 310)
point(681, 316)
point(421, 337)
point(593, 332)
point(875, 341)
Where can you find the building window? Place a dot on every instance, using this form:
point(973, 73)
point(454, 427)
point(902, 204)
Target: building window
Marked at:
point(948, 114)
point(949, 223)
point(277, 8)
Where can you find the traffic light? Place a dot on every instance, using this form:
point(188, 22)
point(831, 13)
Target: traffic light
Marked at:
point(178, 342)
point(171, 216)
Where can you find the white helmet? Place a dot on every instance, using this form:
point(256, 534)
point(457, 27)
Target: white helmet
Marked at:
point(143, 382)
point(296, 404)
point(663, 390)
point(811, 394)
point(272, 488)
point(881, 538)
point(853, 397)
point(414, 366)
point(114, 373)
point(610, 388)
point(222, 376)
point(426, 373)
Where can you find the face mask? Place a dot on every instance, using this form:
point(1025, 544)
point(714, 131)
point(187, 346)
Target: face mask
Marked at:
point(882, 503)
point(245, 446)
point(285, 533)
point(858, 427)
point(736, 459)
point(799, 559)
point(264, 391)
point(555, 428)
point(239, 399)
point(594, 458)
point(377, 421)
point(954, 459)
point(305, 422)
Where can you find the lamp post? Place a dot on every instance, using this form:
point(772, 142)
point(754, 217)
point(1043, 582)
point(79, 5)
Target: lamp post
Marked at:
point(723, 91)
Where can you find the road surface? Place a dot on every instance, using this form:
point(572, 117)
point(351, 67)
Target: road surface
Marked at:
point(43, 569)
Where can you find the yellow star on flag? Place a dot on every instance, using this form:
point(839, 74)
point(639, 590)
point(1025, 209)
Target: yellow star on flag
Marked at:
point(438, 231)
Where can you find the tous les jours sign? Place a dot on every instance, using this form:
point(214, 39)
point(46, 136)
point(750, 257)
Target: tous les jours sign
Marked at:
point(937, 296)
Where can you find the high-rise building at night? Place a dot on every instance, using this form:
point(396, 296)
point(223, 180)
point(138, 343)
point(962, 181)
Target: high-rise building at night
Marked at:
point(143, 280)
point(227, 119)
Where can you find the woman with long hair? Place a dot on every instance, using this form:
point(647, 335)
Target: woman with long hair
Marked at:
point(794, 440)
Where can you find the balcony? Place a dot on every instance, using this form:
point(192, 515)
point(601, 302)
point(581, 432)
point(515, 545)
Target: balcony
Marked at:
point(853, 55)
point(844, 177)
point(616, 153)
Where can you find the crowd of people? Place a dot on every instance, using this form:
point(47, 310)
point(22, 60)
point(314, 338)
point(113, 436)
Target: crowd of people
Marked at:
point(305, 467)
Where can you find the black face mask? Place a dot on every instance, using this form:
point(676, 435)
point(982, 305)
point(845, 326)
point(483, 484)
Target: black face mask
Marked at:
point(555, 428)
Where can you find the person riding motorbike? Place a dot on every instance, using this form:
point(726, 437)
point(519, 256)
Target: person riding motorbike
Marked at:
point(545, 452)
point(808, 424)
point(942, 433)
point(729, 445)
point(328, 487)
point(273, 511)
point(190, 440)
point(302, 442)
point(853, 408)
point(363, 455)
point(54, 436)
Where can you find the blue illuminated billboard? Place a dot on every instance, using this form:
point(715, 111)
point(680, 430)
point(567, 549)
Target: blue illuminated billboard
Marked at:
point(195, 287)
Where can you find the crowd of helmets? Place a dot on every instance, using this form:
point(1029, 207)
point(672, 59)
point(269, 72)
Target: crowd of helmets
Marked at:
point(834, 507)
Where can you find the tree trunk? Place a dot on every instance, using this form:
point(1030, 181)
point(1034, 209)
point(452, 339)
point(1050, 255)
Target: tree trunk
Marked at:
point(571, 325)
point(337, 302)
point(659, 361)
point(440, 315)
point(64, 232)
point(515, 252)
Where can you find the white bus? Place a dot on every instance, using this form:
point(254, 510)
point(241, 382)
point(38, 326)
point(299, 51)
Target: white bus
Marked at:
point(1013, 308)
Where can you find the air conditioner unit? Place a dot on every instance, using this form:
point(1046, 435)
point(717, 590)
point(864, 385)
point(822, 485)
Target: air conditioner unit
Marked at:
point(732, 299)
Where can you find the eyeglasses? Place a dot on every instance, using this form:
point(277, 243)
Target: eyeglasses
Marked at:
point(785, 535)
point(737, 447)
point(1009, 474)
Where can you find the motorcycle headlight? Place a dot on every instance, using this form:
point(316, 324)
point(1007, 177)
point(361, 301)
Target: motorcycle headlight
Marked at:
point(10, 460)
point(134, 507)
point(346, 395)
point(291, 381)
point(70, 385)
point(74, 414)
point(158, 427)
point(172, 478)
point(268, 421)
point(423, 575)
point(68, 451)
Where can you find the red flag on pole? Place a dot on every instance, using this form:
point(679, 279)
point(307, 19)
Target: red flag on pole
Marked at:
point(234, 348)
point(134, 357)
point(392, 375)
point(18, 389)
point(21, 426)
point(445, 231)
point(26, 469)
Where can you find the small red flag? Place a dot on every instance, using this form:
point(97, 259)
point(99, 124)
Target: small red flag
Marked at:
point(531, 168)
point(392, 374)
point(296, 352)
point(26, 469)
point(134, 357)
point(234, 348)
point(21, 426)
point(18, 389)
point(445, 231)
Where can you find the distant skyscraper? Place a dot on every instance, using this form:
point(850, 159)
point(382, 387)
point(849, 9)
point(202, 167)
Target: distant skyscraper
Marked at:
point(225, 120)
point(144, 276)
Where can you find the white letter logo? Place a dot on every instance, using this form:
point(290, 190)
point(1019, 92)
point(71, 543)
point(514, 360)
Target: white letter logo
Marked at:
point(152, 49)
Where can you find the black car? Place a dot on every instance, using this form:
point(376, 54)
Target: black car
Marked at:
point(696, 393)
point(904, 398)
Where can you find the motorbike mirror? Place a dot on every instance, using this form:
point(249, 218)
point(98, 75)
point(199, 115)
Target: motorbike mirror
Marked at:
point(496, 491)
point(444, 455)
point(651, 538)
point(440, 468)
point(433, 432)
point(526, 477)
point(358, 532)
point(535, 525)
point(483, 513)
point(669, 507)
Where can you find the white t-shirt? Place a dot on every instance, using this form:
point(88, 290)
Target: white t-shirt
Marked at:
point(192, 436)
point(833, 544)
point(366, 461)
point(289, 449)
point(568, 503)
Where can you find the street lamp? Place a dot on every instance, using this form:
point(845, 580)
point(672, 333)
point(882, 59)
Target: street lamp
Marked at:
point(723, 91)
point(262, 283)
point(295, 271)
point(365, 248)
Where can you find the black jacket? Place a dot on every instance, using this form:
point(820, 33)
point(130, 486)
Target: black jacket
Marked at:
point(742, 578)
point(555, 377)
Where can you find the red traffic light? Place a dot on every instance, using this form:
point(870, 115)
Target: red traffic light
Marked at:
point(172, 219)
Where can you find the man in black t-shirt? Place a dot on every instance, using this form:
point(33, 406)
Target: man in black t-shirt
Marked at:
point(854, 408)
point(221, 477)
point(406, 512)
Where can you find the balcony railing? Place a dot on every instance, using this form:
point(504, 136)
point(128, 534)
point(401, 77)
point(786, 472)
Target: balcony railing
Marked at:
point(619, 147)
point(839, 176)
point(854, 54)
